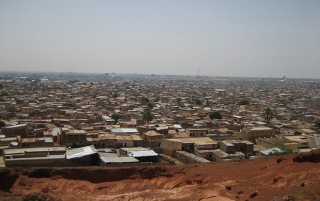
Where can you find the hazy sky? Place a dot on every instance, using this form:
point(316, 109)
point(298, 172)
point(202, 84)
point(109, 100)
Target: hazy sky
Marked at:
point(221, 38)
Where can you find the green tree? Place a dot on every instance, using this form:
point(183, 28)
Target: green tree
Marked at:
point(317, 123)
point(144, 99)
point(35, 113)
point(268, 115)
point(297, 133)
point(69, 104)
point(2, 123)
point(179, 100)
point(147, 115)
point(4, 93)
point(243, 102)
point(181, 105)
point(198, 102)
point(215, 115)
point(150, 105)
point(1, 86)
point(114, 95)
point(115, 117)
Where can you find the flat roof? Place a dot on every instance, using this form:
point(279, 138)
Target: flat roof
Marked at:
point(34, 149)
point(260, 128)
point(16, 126)
point(114, 158)
point(272, 150)
point(49, 157)
point(299, 138)
point(128, 137)
point(134, 149)
point(197, 158)
point(198, 141)
point(220, 153)
point(143, 153)
point(124, 130)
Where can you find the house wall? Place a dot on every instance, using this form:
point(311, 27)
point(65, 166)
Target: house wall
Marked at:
point(36, 163)
point(196, 132)
point(88, 160)
point(185, 158)
point(10, 132)
point(314, 142)
point(169, 147)
point(206, 146)
point(254, 134)
point(125, 143)
point(224, 147)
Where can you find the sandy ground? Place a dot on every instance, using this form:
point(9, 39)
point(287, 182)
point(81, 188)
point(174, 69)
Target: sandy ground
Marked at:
point(270, 178)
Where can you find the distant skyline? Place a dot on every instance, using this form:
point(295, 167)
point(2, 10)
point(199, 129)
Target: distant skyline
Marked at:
point(271, 38)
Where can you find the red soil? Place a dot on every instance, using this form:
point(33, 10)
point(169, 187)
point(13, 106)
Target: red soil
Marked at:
point(259, 179)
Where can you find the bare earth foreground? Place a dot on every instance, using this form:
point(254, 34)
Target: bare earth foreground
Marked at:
point(292, 177)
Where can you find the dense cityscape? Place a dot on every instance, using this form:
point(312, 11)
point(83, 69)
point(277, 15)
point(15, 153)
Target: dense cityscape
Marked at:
point(159, 100)
point(106, 119)
point(133, 122)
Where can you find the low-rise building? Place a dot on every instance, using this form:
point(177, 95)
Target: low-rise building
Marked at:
point(191, 145)
point(35, 157)
point(197, 132)
point(252, 134)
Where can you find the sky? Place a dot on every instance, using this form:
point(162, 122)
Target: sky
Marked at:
point(247, 38)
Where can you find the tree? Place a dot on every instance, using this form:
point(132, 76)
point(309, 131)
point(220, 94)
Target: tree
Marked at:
point(268, 115)
point(297, 133)
point(243, 102)
point(317, 123)
point(35, 113)
point(147, 115)
point(198, 102)
point(114, 95)
point(4, 93)
point(215, 115)
point(70, 104)
point(144, 99)
point(2, 123)
point(150, 105)
point(115, 117)
point(181, 105)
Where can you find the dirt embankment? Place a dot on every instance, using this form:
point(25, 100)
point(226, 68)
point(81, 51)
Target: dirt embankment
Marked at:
point(292, 177)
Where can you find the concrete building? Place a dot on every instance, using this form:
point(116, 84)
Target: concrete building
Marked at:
point(252, 134)
point(35, 157)
point(191, 145)
point(197, 132)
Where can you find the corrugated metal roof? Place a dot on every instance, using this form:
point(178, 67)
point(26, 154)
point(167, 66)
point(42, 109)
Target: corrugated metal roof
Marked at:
point(270, 151)
point(124, 130)
point(142, 153)
point(80, 152)
point(113, 158)
point(34, 149)
point(52, 157)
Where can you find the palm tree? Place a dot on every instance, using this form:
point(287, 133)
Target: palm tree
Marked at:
point(115, 117)
point(268, 115)
point(147, 115)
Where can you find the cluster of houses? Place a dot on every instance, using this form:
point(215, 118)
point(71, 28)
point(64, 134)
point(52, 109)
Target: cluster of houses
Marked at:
point(99, 120)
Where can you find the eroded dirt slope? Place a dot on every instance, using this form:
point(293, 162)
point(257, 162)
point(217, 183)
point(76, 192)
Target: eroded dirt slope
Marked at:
point(293, 177)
